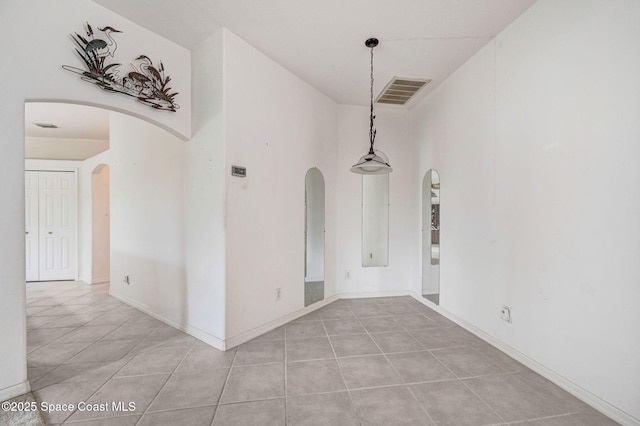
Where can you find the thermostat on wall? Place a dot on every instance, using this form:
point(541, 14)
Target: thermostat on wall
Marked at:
point(239, 171)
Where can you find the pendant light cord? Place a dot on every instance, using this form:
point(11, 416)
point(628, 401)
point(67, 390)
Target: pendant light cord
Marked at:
point(372, 131)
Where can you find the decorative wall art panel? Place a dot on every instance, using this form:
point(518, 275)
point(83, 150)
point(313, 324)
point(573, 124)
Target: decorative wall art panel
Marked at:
point(145, 81)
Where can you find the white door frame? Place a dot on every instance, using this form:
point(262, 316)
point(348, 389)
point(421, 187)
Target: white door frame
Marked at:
point(76, 172)
point(31, 226)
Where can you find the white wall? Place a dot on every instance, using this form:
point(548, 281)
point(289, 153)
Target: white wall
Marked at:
point(536, 141)
point(394, 139)
point(100, 224)
point(205, 195)
point(278, 127)
point(70, 149)
point(147, 235)
point(33, 73)
point(87, 169)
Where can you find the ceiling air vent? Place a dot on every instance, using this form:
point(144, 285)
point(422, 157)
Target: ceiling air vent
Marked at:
point(400, 90)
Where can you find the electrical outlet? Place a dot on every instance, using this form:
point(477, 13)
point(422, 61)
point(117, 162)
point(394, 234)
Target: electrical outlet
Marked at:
point(347, 274)
point(505, 312)
point(126, 279)
point(278, 294)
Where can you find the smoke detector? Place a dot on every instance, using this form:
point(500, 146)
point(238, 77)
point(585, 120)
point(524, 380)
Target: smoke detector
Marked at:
point(400, 90)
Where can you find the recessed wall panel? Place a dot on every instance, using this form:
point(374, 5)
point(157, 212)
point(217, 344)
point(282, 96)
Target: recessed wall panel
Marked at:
point(375, 220)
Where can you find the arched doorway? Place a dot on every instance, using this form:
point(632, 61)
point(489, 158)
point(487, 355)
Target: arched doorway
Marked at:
point(431, 236)
point(64, 145)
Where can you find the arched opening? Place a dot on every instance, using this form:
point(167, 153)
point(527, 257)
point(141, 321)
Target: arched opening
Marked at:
point(431, 236)
point(129, 221)
point(314, 231)
point(63, 144)
point(100, 224)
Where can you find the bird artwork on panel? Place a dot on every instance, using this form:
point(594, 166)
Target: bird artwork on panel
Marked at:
point(147, 82)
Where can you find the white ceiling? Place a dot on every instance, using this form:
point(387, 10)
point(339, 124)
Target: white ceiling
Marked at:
point(320, 41)
point(323, 41)
point(73, 121)
point(82, 131)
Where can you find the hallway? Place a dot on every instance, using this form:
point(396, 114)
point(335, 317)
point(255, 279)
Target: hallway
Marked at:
point(384, 361)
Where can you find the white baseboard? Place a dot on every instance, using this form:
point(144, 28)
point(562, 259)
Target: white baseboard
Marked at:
point(594, 401)
point(15, 390)
point(251, 334)
point(368, 294)
point(100, 280)
point(210, 339)
point(215, 341)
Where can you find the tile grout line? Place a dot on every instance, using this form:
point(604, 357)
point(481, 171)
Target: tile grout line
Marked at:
point(375, 343)
point(424, 410)
point(96, 391)
point(224, 386)
point(166, 381)
point(347, 308)
point(106, 381)
point(514, 375)
point(116, 372)
point(56, 366)
point(340, 368)
point(456, 378)
point(464, 384)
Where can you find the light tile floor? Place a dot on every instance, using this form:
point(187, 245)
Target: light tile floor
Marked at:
point(383, 361)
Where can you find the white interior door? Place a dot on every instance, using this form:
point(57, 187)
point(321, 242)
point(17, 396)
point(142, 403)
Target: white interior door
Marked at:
point(57, 214)
point(31, 225)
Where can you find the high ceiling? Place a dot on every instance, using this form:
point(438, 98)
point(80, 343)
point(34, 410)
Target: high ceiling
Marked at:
point(323, 41)
point(320, 41)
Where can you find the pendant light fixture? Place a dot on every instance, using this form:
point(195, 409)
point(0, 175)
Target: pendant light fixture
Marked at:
point(374, 162)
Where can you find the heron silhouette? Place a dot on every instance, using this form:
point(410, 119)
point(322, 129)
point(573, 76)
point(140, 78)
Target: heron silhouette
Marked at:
point(148, 68)
point(100, 47)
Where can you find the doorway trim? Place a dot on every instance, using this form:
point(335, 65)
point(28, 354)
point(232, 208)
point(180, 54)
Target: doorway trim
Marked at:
point(76, 172)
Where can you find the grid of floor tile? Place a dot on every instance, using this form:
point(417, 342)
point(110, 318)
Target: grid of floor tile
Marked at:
point(382, 361)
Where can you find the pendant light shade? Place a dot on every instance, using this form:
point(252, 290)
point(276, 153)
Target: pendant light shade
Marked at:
point(374, 162)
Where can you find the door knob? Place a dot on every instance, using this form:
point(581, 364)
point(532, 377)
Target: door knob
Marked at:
point(26, 232)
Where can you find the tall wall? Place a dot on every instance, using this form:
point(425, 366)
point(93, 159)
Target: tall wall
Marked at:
point(100, 224)
point(88, 168)
point(536, 141)
point(394, 139)
point(147, 234)
point(31, 69)
point(205, 195)
point(278, 127)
